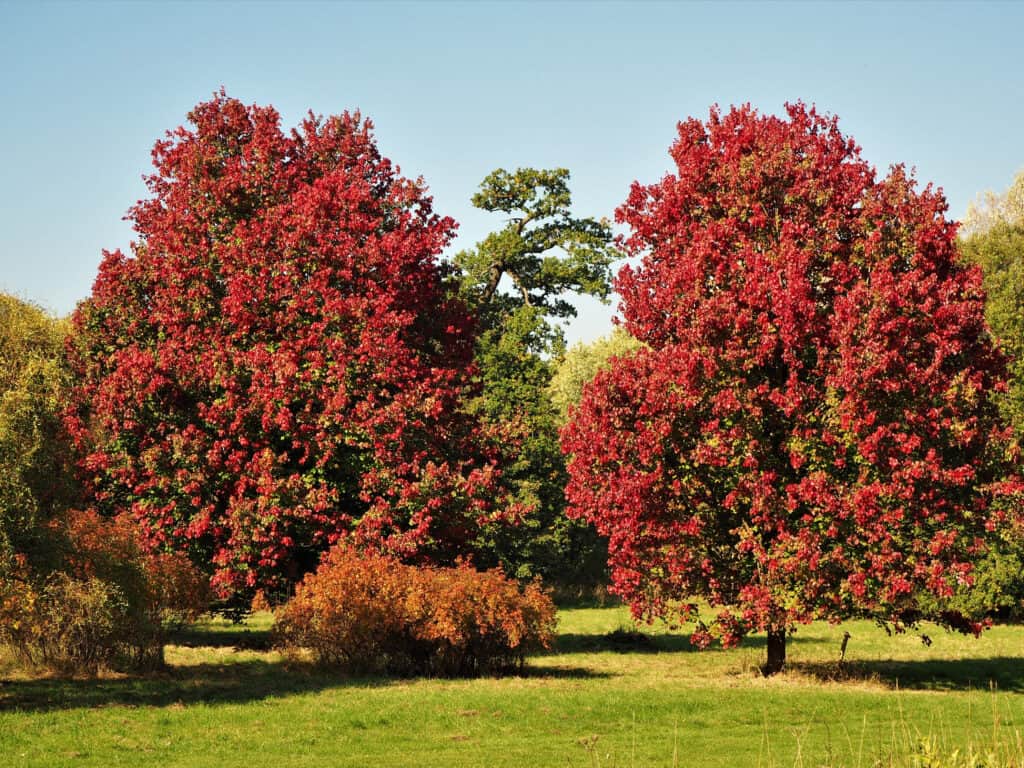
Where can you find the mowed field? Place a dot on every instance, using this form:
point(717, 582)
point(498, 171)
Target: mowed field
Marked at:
point(605, 697)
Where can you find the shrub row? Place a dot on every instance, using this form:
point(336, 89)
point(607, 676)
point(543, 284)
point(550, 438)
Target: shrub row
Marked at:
point(369, 613)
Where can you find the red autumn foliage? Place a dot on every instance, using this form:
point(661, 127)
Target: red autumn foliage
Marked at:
point(811, 431)
point(277, 363)
point(368, 612)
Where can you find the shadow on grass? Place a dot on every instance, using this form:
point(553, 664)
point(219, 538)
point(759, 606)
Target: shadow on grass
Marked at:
point(1003, 673)
point(559, 673)
point(236, 682)
point(200, 683)
point(629, 641)
point(240, 637)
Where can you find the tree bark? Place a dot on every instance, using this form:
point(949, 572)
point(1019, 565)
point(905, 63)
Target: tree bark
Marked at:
point(776, 651)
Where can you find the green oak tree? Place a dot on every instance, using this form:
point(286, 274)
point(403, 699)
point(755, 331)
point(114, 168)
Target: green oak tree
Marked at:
point(519, 281)
point(545, 251)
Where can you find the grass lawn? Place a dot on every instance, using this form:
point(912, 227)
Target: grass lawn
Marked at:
point(600, 700)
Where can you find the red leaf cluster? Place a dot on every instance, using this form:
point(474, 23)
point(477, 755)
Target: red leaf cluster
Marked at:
point(810, 432)
point(277, 363)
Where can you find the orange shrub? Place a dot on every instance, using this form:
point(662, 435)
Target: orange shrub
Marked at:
point(163, 587)
point(108, 605)
point(350, 613)
point(17, 594)
point(481, 621)
point(368, 612)
point(69, 625)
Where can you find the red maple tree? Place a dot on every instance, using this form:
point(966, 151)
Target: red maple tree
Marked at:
point(278, 363)
point(810, 432)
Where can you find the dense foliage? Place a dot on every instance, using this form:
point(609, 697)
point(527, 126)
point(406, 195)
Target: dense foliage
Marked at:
point(76, 592)
point(277, 363)
point(999, 251)
point(108, 604)
point(366, 612)
point(36, 482)
point(812, 431)
point(547, 255)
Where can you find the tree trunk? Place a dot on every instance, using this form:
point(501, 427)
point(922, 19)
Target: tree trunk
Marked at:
point(776, 651)
point(494, 277)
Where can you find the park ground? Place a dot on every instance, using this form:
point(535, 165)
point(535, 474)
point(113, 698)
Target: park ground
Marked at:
point(610, 694)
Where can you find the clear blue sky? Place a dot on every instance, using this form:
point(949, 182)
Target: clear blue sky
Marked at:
point(458, 89)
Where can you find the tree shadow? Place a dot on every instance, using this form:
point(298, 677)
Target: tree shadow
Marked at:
point(630, 641)
point(1004, 673)
point(559, 673)
point(230, 683)
point(240, 637)
point(622, 641)
point(235, 682)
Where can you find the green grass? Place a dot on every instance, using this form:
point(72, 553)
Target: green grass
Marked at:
point(608, 700)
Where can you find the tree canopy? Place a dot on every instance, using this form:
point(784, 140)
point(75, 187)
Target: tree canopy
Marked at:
point(993, 209)
point(811, 432)
point(544, 250)
point(278, 362)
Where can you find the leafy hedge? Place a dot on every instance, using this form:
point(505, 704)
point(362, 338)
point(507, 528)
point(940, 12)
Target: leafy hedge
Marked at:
point(368, 612)
point(108, 605)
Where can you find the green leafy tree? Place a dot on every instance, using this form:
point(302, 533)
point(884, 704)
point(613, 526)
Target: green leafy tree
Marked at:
point(519, 281)
point(992, 236)
point(998, 248)
point(35, 454)
point(992, 209)
point(545, 251)
point(76, 592)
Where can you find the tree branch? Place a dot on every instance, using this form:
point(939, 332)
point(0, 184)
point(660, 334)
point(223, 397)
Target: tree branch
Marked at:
point(522, 289)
